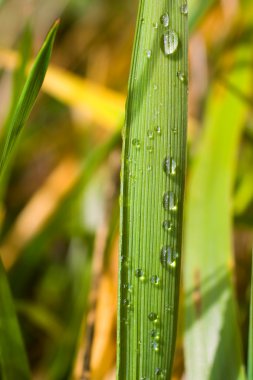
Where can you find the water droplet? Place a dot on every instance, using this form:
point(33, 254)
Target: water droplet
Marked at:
point(155, 280)
point(128, 287)
point(153, 317)
point(169, 308)
point(155, 87)
point(155, 25)
point(126, 302)
point(184, 9)
point(124, 260)
point(155, 335)
point(181, 76)
point(150, 148)
point(165, 20)
point(158, 130)
point(136, 143)
point(167, 225)
point(148, 53)
point(155, 346)
point(150, 134)
point(169, 42)
point(168, 257)
point(139, 273)
point(169, 201)
point(169, 166)
point(142, 20)
point(158, 371)
point(149, 168)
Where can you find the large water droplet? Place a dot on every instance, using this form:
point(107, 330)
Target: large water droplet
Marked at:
point(168, 257)
point(165, 20)
point(155, 280)
point(153, 317)
point(169, 42)
point(139, 273)
point(184, 9)
point(169, 201)
point(169, 166)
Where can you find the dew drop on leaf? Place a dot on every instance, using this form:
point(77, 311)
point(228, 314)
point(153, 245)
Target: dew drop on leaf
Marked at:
point(155, 280)
point(150, 134)
point(181, 76)
point(136, 143)
point(148, 53)
point(169, 201)
point(184, 9)
point(169, 42)
point(165, 20)
point(153, 317)
point(167, 225)
point(169, 166)
point(139, 273)
point(155, 346)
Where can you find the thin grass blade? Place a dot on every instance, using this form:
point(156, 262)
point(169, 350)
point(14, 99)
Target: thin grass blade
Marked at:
point(152, 192)
point(13, 360)
point(28, 97)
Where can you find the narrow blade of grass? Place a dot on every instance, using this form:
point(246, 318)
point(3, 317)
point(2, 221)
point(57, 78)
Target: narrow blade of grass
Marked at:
point(152, 192)
point(27, 97)
point(211, 320)
point(13, 360)
point(250, 348)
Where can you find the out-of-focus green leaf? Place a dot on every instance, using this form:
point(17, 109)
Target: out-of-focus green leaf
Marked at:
point(19, 78)
point(250, 347)
point(40, 317)
point(211, 320)
point(62, 359)
point(197, 10)
point(28, 97)
point(13, 360)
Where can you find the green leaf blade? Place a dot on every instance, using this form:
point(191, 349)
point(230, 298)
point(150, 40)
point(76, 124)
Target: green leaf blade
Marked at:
point(210, 308)
point(13, 360)
point(156, 118)
point(28, 96)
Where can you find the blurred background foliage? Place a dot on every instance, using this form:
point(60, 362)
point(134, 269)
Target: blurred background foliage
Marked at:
point(59, 205)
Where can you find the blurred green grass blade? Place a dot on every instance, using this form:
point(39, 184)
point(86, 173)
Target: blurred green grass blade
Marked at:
point(210, 309)
point(19, 75)
point(28, 97)
point(250, 348)
point(18, 81)
point(41, 318)
point(197, 10)
point(13, 360)
point(152, 193)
